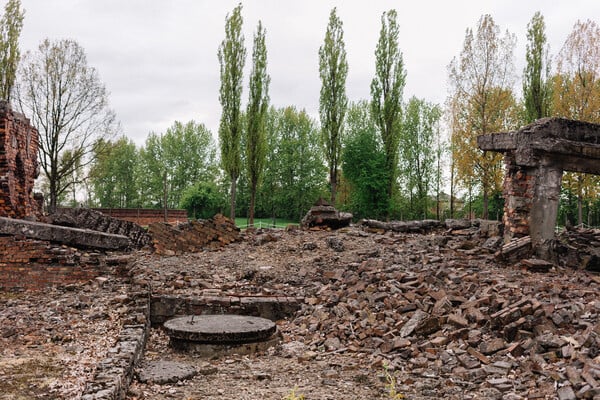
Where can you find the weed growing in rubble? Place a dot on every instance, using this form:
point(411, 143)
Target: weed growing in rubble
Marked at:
point(391, 384)
point(293, 396)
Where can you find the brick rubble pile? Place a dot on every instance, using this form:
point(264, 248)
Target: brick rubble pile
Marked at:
point(193, 236)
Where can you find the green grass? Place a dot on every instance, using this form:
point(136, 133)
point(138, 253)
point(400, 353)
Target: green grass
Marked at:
point(264, 222)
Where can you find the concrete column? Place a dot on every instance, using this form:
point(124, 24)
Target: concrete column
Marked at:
point(544, 209)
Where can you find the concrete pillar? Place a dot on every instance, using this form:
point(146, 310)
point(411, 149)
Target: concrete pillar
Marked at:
point(544, 208)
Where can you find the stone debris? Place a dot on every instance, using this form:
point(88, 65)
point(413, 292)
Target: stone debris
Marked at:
point(581, 247)
point(324, 215)
point(438, 310)
point(193, 236)
point(435, 308)
point(401, 226)
point(161, 372)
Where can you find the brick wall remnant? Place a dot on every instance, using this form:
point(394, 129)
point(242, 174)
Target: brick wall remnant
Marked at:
point(18, 164)
point(36, 264)
point(146, 216)
point(193, 236)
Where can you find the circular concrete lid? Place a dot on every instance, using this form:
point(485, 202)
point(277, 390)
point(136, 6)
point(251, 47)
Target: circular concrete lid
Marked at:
point(217, 329)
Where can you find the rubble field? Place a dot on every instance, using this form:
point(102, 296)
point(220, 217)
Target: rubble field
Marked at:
point(428, 316)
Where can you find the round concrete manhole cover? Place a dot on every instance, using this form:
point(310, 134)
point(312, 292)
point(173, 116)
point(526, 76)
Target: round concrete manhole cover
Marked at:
point(220, 329)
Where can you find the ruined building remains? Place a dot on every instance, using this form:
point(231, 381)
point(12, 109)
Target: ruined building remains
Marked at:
point(18, 164)
point(535, 157)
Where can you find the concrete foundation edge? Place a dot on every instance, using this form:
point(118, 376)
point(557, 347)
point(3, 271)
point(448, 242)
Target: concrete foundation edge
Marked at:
point(114, 374)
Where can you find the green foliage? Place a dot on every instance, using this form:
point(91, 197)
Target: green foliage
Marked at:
point(292, 395)
point(333, 70)
point(232, 56)
point(390, 386)
point(180, 158)
point(294, 173)
point(112, 175)
point(203, 200)
point(256, 114)
point(537, 85)
point(495, 205)
point(418, 146)
point(386, 93)
point(11, 24)
point(151, 172)
point(364, 165)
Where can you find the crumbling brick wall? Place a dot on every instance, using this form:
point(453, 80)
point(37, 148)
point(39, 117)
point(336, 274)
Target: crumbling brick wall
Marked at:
point(146, 216)
point(37, 264)
point(18, 164)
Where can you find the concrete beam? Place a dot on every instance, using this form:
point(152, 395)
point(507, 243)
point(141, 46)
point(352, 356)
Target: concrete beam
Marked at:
point(70, 236)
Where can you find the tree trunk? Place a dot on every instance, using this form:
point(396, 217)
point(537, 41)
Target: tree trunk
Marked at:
point(333, 183)
point(579, 210)
point(486, 201)
point(166, 216)
point(232, 200)
point(252, 199)
point(53, 196)
point(452, 189)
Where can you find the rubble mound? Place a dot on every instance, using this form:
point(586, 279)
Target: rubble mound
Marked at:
point(84, 218)
point(324, 215)
point(193, 236)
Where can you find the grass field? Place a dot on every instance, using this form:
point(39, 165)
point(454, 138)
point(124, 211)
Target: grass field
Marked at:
point(264, 223)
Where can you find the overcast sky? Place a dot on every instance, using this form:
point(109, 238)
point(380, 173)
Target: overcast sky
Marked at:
point(158, 59)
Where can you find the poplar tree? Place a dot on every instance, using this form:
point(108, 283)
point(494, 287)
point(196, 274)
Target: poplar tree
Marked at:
point(537, 87)
point(11, 24)
point(333, 69)
point(232, 56)
point(386, 93)
point(256, 114)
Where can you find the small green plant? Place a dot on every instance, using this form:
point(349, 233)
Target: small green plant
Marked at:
point(293, 396)
point(391, 384)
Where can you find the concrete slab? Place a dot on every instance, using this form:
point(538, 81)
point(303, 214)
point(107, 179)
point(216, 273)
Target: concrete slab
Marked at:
point(70, 236)
point(161, 372)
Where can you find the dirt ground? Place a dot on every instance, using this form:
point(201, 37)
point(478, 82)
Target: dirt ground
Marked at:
point(351, 337)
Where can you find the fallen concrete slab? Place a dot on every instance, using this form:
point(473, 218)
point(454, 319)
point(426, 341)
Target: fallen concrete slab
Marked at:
point(70, 236)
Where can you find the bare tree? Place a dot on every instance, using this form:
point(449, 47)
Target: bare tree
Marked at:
point(67, 103)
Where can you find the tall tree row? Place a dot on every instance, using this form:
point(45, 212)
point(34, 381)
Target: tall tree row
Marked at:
point(256, 114)
point(418, 146)
point(333, 70)
point(232, 57)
